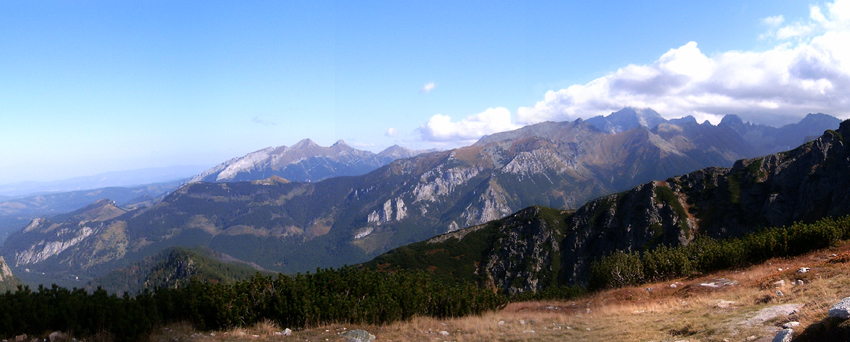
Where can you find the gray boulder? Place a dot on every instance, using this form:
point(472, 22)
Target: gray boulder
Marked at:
point(841, 309)
point(784, 336)
point(358, 336)
point(57, 336)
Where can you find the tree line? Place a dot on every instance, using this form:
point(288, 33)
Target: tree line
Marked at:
point(348, 295)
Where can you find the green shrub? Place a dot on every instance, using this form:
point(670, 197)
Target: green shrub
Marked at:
point(707, 255)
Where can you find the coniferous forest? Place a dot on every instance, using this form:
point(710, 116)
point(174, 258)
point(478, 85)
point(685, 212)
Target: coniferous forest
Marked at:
point(328, 296)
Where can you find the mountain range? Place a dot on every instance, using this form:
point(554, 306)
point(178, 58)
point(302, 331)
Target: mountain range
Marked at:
point(291, 226)
point(305, 161)
point(540, 247)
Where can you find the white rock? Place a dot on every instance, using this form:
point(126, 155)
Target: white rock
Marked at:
point(803, 269)
point(725, 304)
point(444, 333)
point(790, 325)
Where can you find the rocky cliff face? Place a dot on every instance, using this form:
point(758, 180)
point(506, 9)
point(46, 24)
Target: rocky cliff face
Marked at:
point(8, 281)
point(515, 254)
point(5, 272)
point(524, 254)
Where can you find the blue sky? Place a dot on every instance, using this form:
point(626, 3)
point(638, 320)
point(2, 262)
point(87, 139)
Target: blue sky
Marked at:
point(93, 86)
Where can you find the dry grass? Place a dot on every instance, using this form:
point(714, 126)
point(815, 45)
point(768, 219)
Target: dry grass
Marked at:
point(652, 312)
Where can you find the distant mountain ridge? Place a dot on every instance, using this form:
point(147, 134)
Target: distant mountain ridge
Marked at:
point(298, 226)
point(130, 178)
point(305, 161)
point(16, 213)
point(762, 139)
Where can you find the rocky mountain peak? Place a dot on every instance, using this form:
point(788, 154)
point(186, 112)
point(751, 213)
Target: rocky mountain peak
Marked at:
point(817, 120)
point(626, 119)
point(688, 120)
point(396, 151)
point(306, 143)
point(732, 120)
point(305, 161)
point(102, 210)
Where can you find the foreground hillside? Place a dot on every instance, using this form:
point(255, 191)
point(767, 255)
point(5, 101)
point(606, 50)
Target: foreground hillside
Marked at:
point(736, 305)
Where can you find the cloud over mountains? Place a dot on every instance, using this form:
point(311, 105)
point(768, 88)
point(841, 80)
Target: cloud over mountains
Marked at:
point(807, 70)
point(440, 128)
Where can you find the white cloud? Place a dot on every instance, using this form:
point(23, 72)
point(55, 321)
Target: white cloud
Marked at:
point(807, 71)
point(440, 128)
point(427, 87)
point(391, 132)
point(774, 21)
